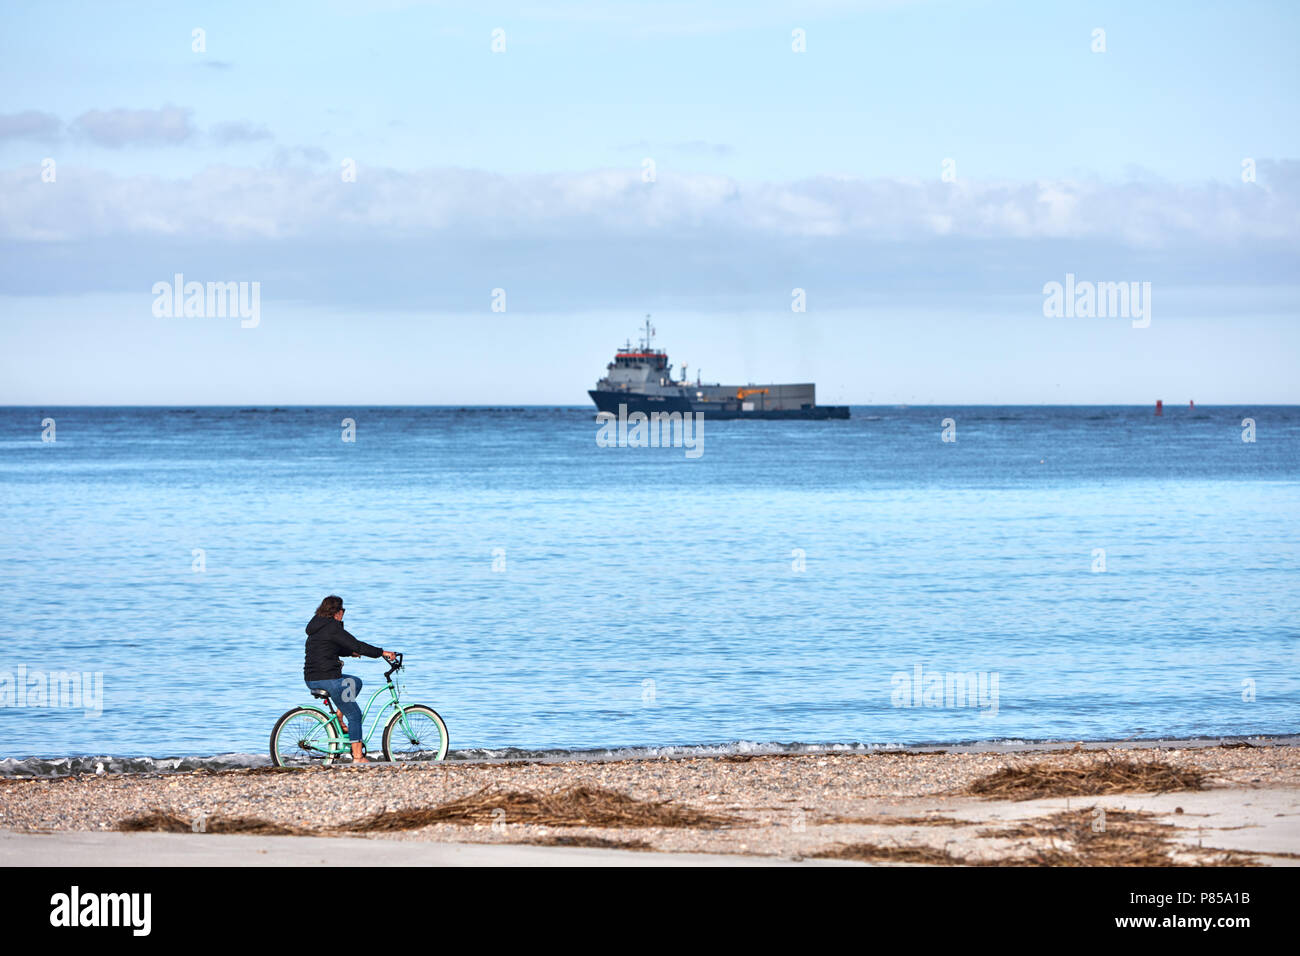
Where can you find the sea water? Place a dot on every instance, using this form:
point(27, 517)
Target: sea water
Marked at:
point(1044, 573)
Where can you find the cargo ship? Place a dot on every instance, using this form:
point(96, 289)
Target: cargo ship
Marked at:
point(641, 378)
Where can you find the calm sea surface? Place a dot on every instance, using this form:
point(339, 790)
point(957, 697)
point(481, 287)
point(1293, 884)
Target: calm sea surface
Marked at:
point(551, 594)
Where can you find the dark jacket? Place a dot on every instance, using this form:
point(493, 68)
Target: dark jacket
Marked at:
point(327, 641)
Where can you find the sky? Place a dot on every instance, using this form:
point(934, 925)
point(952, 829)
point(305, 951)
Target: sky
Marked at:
point(920, 169)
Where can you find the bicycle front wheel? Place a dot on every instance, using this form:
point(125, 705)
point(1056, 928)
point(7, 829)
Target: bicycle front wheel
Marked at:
point(301, 738)
point(416, 733)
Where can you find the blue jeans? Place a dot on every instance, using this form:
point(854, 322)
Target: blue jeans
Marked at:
point(344, 691)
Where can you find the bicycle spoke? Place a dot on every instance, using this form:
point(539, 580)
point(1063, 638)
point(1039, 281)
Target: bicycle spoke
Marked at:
point(418, 737)
point(303, 739)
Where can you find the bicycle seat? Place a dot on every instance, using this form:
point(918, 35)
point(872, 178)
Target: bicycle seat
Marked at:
point(322, 694)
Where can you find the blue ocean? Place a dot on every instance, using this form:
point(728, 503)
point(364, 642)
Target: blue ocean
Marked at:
point(1089, 573)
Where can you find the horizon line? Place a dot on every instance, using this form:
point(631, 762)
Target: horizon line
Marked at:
point(507, 405)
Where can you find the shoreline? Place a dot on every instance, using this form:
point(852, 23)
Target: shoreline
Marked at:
point(75, 764)
point(1222, 804)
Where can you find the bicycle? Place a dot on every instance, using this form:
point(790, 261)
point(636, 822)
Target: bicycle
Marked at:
point(307, 736)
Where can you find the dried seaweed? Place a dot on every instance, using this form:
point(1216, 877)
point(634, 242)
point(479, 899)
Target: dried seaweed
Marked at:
point(162, 821)
point(1115, 838)
point(1090, 779)
point(573, 807)
point(888, 821)
point(875, 853)
point(1071, 839)
point(588, 841)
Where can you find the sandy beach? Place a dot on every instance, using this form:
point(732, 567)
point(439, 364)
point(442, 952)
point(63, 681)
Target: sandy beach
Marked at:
point(1120, 805)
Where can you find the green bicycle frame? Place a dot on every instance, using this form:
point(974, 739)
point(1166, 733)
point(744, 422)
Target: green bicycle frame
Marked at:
point(338, 743)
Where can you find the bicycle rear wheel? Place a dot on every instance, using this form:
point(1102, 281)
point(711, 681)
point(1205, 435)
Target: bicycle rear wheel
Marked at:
point(424, 736)
point(303, 737)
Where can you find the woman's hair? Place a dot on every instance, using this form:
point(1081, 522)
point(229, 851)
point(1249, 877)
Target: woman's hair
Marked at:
point(330, 606)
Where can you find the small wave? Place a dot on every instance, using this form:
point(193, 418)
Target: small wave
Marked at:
point(735, 748)
point(74, 766)
point(78, 765)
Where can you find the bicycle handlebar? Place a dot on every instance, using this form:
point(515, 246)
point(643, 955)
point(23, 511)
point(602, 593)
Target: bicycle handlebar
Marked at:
point(396, 664)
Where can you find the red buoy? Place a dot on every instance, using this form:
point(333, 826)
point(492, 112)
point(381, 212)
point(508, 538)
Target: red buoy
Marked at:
point(1160, 406)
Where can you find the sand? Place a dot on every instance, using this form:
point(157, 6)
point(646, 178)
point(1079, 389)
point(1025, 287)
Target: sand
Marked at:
point(79, 849)
point(875, 808)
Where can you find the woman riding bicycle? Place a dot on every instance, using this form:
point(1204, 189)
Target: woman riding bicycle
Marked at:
point(327, 641)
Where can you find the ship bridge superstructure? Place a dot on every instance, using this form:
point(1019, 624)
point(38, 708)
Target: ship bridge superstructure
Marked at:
point(641, 367)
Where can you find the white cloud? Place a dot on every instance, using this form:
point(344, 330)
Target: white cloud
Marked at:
point(291, 201)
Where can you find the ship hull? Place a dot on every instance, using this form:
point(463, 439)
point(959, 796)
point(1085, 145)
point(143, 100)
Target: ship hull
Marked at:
point(609, 401)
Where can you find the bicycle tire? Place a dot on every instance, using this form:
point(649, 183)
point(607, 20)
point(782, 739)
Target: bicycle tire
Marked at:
point(394, 725)
point(306, 757)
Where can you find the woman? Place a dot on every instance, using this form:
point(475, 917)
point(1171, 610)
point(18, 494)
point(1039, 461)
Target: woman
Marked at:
point(327, 641)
